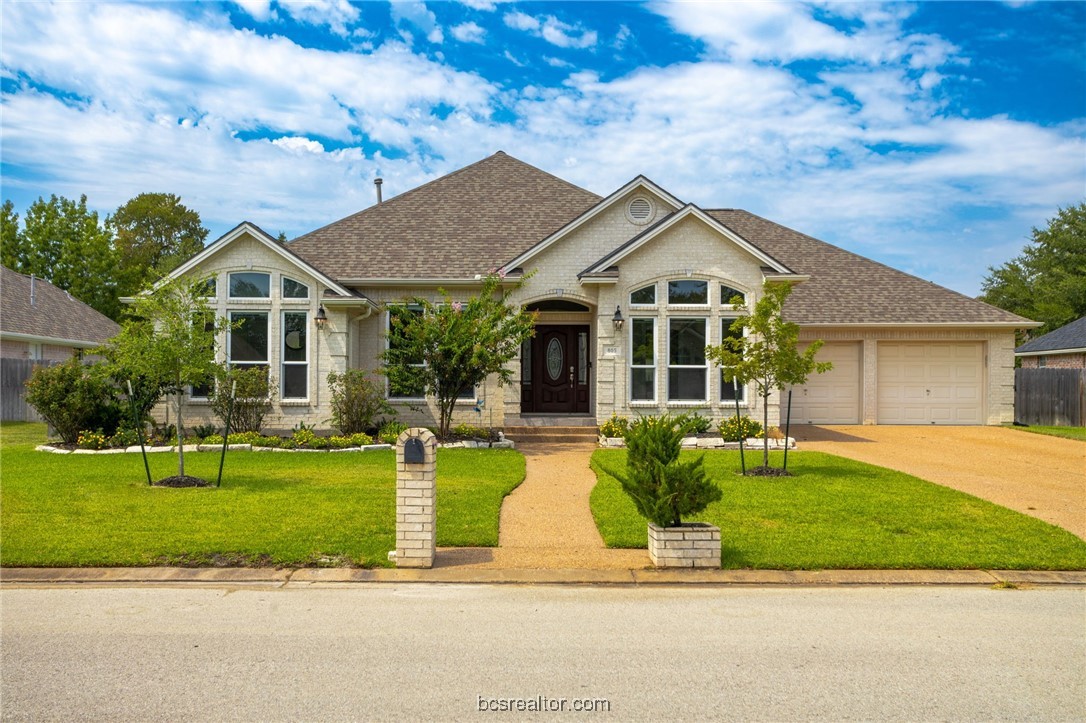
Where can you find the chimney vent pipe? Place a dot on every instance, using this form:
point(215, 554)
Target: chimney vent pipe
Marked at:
point(377, 183)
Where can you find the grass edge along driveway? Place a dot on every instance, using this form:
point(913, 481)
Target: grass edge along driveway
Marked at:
point(837, 513)
point(304, 509)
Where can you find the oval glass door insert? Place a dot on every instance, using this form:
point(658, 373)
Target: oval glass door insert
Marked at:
point(554, 359)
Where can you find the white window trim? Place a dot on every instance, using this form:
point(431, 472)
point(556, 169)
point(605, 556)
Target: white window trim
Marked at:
point(229, 287)
point(230, 334)
point(283, 279)
point(283, 358)
point(655, 364)
point(704, 401)
point(656, 297)
point(744, 388)
point(388, 345)
point(691, 307)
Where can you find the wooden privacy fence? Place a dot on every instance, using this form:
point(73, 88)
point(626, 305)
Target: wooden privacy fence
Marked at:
point(1050, 397)
point(13, 376)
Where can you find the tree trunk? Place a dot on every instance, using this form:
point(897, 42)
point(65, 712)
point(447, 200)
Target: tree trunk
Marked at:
point(180, 441)
point(765, 430)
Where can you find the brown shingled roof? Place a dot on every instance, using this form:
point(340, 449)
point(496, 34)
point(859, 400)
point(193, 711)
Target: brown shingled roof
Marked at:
point(457, 226)
point(55, 314)
point(846, 288)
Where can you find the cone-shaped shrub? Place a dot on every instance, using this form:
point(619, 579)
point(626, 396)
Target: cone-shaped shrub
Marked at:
point(663, 489)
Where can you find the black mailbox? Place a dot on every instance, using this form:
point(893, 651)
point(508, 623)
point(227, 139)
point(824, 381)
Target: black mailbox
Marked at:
point(413, 451)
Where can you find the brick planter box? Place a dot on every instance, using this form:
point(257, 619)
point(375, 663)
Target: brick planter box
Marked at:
point(692, 544)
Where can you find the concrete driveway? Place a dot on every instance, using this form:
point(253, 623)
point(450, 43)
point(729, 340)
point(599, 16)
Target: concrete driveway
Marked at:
point(1035, 474)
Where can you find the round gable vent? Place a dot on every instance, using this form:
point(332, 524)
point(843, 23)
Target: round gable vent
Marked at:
point(640, 210)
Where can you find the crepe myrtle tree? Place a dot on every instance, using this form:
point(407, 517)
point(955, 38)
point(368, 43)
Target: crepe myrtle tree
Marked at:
point(441, 349)
point(764, 350)
point(170, 342)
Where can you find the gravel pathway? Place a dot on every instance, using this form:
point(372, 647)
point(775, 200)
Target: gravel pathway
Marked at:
point(1035, 474)
point(546, 523)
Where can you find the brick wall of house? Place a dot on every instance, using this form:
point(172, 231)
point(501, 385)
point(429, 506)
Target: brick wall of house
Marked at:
point(1055, 361)
point(13, 349)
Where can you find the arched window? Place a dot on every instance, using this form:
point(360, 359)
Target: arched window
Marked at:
point(294, 289)
point(645, 296)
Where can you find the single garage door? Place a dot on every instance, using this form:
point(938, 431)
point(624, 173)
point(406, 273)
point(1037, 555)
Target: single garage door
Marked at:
point(832, 397)
point(930, 383)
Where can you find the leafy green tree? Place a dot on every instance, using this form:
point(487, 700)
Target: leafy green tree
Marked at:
point(155, 234)
point(1047, 282)
point(449, 347)
point(663, 489)
point(64, 243)
point(12, 254)
point(170, 342)
point(767, 354)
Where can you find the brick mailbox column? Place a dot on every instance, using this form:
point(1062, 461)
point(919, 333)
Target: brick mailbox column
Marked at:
point(416, 497)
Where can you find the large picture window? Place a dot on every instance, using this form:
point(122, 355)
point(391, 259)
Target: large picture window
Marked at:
point(248, 345)
point(250, 285)
point(643, 360)
point(416, 390)
point(686, 365)
point(295, 361)
point(688, 292)
point(727, 389)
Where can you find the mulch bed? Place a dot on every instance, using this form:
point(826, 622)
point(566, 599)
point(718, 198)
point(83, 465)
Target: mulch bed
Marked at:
point(182, 481)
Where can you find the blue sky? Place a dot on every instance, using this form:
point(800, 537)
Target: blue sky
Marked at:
point(928, 136)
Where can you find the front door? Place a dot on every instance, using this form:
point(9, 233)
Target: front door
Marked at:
point(560, 366)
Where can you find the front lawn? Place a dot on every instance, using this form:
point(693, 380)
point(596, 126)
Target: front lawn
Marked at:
point(273, 508)
point(842, 514)
point(1078, 433)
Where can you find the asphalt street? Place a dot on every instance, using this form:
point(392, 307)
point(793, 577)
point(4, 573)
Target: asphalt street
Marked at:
point(456, 652)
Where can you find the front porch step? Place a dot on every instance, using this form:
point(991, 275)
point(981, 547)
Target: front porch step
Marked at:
point(549, 434)
point(557, 420)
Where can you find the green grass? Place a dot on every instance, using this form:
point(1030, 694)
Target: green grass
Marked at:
point(840, 514)
point(280, 509)
point(1078, 433)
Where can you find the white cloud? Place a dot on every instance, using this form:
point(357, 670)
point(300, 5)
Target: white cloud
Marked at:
point(551, 29)
point(864, 156)
point(417, 15)
point(336, 14)
point(468, 32)
point(259, 10)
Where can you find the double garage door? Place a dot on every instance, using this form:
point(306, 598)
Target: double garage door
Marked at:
point(918, 383)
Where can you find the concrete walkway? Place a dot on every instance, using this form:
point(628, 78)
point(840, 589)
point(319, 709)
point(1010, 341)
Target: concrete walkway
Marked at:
point(546, 523)
point(1035, 474)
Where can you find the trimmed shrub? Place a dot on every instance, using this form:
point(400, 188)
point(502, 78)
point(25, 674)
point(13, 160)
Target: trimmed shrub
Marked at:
point(734, 429)
point(124, 438)
point(616, 426)
point(73, 398)
point(356, 401)
point(252, 403)
point(662, 488)
point(468, 430)
point(360, 439)
point(697, 424)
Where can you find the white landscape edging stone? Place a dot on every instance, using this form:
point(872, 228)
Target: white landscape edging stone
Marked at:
point(503, 444)
point(710, 443)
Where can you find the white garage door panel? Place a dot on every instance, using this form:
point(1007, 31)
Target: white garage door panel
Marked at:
point(930, 383)
point(833, 397)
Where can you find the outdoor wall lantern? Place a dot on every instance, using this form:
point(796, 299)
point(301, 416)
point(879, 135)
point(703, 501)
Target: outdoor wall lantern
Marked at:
point(322, 318)
point(617, 319)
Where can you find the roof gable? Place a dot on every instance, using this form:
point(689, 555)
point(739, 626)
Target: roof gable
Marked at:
point(55, 314)
point(251, 230)
point(453, 228)
point(639, 183)
point(774, 266)
point(1068, 338)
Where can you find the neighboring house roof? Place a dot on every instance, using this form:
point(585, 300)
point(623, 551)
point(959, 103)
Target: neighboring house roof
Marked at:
point(846, 288)
point(1070, 338)
point(54, 317)
point(466, 223)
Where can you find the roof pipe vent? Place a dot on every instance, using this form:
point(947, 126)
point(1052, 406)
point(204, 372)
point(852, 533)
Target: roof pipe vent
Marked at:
point(377, 184)
point(32, 289)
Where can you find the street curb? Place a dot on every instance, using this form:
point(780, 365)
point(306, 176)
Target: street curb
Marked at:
point(322, 577)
